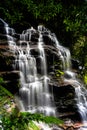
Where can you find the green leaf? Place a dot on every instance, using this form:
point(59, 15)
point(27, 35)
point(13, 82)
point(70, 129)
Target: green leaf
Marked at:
point(6, 91)
point(33, 125)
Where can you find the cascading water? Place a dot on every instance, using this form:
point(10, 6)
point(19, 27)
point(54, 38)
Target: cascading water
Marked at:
point(63, 52)
point(80, 91)
point(34, 93)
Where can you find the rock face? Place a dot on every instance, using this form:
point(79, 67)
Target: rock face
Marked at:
point(7, 59)
point(64, 94)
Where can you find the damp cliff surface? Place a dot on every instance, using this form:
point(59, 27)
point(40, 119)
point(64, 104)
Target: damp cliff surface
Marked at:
point(7, 58)
point(63, 93)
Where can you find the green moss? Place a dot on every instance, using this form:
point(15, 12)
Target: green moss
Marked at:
point(59, 73)
point(85, 79)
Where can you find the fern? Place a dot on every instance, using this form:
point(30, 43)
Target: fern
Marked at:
point(33, 126)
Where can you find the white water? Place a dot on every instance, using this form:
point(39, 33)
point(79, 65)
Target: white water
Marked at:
point(80, 95)
point(63, 52)
point(34, 92)
point(80, 91)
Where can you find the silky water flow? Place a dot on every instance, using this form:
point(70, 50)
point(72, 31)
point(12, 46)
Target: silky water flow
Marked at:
point(80, 91)
point(34, 92)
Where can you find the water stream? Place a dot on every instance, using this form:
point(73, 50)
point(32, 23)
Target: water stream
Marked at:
point(80, 91)
point(34, 95)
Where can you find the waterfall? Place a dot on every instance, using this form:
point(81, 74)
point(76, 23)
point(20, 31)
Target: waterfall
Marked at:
point(34, 95)
point(34, 92)
point(64, 53)
point(80, 91)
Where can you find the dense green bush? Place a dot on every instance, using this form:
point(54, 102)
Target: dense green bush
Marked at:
point(21, 121)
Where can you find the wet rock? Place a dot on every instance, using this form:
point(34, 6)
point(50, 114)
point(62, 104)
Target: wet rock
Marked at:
point(75, 64)
point(5, 38)
point(64, 97)
point(69, 75)
point(7, 30)
point(3, 23)
point(10, 75)
point(6, 60)
point(4, 28)
point(12, 85)
point(64, 94)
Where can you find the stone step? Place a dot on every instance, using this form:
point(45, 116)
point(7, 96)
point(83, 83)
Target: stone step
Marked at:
point(12, 86)
point(10, 75)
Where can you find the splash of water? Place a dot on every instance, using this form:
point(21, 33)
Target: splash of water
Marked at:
point(80, 94)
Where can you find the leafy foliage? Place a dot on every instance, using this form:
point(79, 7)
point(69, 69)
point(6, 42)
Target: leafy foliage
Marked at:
point(5, 97)
point(24, 120)
point(33, 126)
point(80, 53)
point(72, 14)
point(67, 19)
point(59, 73)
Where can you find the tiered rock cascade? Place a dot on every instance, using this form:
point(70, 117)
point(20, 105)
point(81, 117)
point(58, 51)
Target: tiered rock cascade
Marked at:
point(59, 85)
